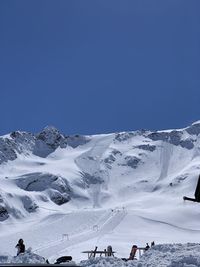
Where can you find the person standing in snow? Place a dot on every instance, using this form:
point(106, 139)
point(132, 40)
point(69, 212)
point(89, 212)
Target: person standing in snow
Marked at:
point(109, 251)
point(147, 247)
point(133, 252)
point(20, 246)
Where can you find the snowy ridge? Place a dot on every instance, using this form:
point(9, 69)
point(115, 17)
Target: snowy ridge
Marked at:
point(71, 193)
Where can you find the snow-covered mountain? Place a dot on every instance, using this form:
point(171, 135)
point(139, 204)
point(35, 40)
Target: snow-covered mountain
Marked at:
point(98, 183)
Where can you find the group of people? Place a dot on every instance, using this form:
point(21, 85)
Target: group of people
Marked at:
point(21, 249)
point(148, 247)
point(134, 250)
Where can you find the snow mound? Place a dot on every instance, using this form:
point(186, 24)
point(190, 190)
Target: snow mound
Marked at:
point(27, 257)
point(165, 255)
point(107, 262)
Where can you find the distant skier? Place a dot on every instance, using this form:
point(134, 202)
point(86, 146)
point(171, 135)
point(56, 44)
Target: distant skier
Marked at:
point(20, 246)
point(152, 244)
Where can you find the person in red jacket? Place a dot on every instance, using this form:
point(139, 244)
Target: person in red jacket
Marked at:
point(133, 252)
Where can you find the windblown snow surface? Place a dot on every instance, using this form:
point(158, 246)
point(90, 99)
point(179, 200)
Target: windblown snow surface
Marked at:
point(66, 194)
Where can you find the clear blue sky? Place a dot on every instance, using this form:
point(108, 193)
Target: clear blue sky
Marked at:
point(99, 66)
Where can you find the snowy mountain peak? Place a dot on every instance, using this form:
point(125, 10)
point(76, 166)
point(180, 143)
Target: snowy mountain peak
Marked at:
point(94, 170)
point(196, 122)
point(50, 128)
point(51, 136)
point(194, 129)
point(49, 132)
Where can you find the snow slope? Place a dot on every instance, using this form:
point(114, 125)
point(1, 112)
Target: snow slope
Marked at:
point(65, 194)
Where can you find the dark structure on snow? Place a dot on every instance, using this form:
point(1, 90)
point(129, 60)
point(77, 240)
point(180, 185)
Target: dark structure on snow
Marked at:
point(196, 194)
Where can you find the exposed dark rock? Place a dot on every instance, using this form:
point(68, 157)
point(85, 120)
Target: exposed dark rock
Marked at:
point(23, 140)
point(29, 204)
point(124, 136)
point(47, 141)
point(77, 140)
point(116, 152)
point(194, 129)
point(40, 182)
point(51, 136)
point(61, 185)
point(147, 147)
point(110, 159)
point(50, 139)
point(3, 213)
point(127, 135)
point(91, 179)
point(173, 137)
point(59, 198)
point(143, 181)
point(36, 181)
point(131, 161)
point(7, 150)
point(187, 144)
point(159, 136)
point(91, 158)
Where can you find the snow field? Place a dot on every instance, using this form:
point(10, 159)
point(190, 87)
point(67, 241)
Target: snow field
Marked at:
point(125, 189)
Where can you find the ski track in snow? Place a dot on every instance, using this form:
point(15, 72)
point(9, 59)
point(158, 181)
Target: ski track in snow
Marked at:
point(96, 152)
point(93, 167)
point(166, 153)
point(106, 224)
point(169, 224)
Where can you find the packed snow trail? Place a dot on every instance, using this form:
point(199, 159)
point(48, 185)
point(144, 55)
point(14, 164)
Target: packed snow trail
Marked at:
point(92, 170)
point(104, 227)
point(94, 155)
point(166, 154)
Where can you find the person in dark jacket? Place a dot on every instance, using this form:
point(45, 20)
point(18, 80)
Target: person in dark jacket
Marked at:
point(20, 246)
point(147, 247)
point(152, 244)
